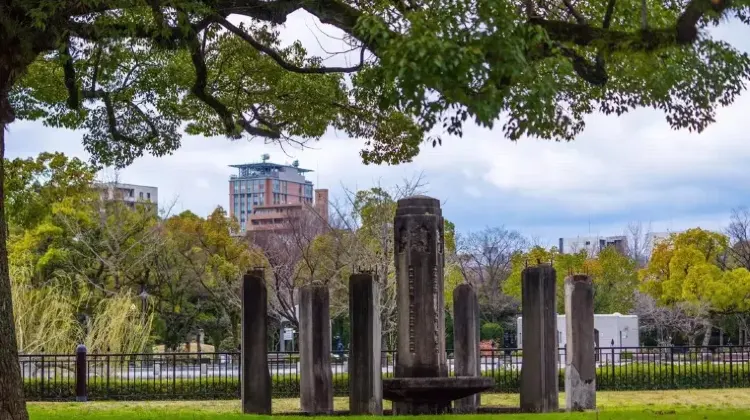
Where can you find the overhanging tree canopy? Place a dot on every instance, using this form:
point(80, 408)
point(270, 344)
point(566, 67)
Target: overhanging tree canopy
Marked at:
point(132, 72)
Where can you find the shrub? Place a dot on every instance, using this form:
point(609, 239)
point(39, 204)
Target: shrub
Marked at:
point(491, 331)
point(212, 388)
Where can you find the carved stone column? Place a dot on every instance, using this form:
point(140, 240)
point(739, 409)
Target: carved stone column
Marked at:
point(419, 260)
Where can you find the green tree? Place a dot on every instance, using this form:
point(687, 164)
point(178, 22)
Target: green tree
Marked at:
point(131, 72)
point(34, 185)
point(689, 269)
point(196, 276)
point(615, 278)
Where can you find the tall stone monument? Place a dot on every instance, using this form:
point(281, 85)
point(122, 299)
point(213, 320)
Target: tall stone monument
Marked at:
point(466, 342)
point(316, 379)
point(365, 374)
point(539, 370)
point(421, 384)
point(255, 380)
point(580, 361)
point(419, 268)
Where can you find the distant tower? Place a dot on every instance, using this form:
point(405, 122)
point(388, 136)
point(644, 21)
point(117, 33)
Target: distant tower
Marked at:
point(321, 204)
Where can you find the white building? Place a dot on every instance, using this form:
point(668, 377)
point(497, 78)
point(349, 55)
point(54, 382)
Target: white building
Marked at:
point(130, 194)
point(610, 331)
point(592, 244)
point(652, 239)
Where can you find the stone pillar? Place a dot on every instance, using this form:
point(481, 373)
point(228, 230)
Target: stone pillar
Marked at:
point(255, 379)
point(466, 342)
point(316, 382)
point(539, 368)
point(419, 261)
point(365, 375)
point(580, 363)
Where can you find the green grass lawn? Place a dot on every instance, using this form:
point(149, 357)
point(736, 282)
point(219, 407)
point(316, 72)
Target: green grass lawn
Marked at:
point(647, 405)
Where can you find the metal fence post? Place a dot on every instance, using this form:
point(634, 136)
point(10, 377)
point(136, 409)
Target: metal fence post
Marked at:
point(42, 376)
point(613, 361)
point(731, 370)
point(81, 374)
point(671, 362)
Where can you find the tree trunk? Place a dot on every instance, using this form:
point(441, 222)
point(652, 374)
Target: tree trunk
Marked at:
point(707, 335)
point(12, 404)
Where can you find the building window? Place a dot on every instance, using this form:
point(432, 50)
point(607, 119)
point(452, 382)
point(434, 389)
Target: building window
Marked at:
point(148, 196)
point(276, 185)
point(140, 195)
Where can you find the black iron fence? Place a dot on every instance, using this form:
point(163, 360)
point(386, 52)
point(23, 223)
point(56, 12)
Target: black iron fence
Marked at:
point(207, 376)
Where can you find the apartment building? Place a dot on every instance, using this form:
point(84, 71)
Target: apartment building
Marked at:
point(265, 195)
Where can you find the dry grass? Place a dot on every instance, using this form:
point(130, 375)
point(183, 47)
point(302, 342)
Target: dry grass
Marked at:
point(724, 399)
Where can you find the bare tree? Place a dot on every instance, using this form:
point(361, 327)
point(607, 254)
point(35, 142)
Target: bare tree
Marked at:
point(667, 321)
point(485, 259)
point(638, 242)
point(306, 249)
point(739, 237)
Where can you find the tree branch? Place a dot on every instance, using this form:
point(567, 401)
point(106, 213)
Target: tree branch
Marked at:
point(70, 77)
point(608, 14)
point(577, 15)
point(684, 32)
point(273, 54)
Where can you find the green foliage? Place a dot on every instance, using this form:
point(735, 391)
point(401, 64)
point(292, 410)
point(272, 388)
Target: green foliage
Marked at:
point(45, 317)
point(689, 267)
point(491, 331)
point(132, 74)
point(614, 275)
point(78, 262)
point(33, 186)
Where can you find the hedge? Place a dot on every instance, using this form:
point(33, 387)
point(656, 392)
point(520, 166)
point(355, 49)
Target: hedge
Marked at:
point(211, 388)
point(637, 376)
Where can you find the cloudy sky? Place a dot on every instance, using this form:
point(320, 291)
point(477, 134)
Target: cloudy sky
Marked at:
point(631, 168)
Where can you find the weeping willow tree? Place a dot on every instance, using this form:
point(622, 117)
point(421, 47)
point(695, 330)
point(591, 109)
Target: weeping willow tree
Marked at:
point(118, 326)
point(47, 318)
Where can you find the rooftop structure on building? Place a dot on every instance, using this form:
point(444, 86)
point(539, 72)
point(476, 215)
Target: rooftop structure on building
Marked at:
point(265, 195)
point(592, 244)
point(130, 194)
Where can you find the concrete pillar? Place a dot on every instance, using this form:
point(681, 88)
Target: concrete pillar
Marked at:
point(580, 363)
point(539, 368)
point(419, 263)
point(255, 379)
point(365, 375)
point(316, 382)
point(466, 342)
